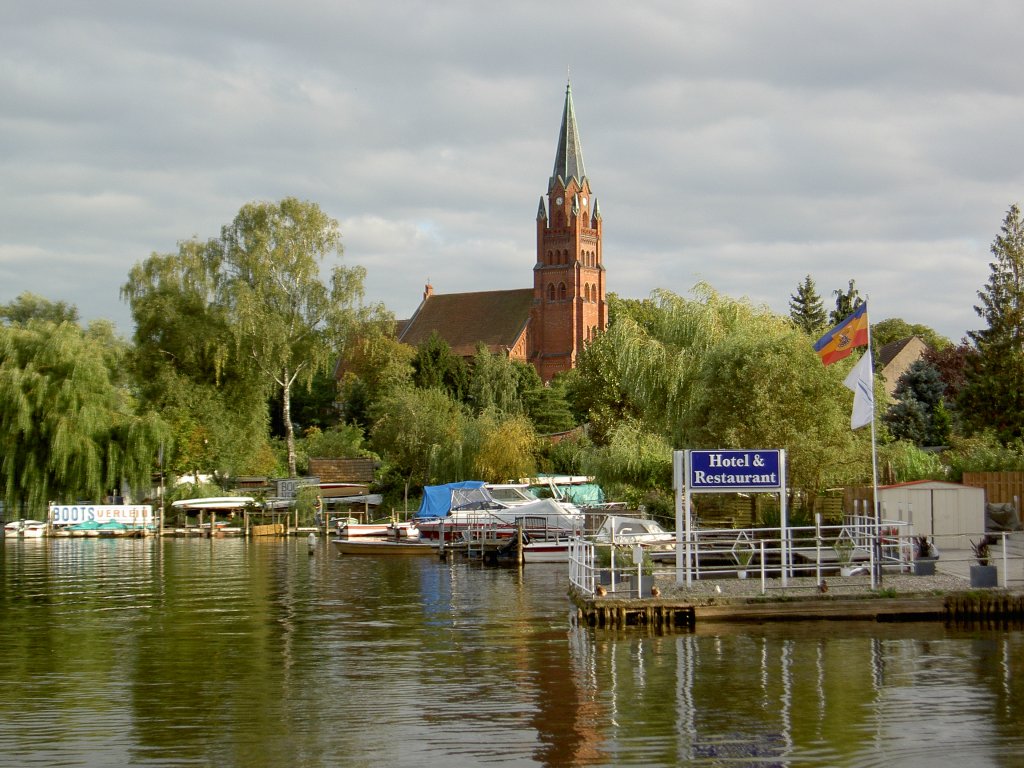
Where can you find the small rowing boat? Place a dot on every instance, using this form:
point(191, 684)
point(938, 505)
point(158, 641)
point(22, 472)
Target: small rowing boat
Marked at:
point(371, 546)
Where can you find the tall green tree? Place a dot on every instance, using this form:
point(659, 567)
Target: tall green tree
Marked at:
point(29, 306)
point(282, 316)
point(494, 383)
point(993, 393)
point(69, 426)
point(186, 366)
point(437, 367)
point(375, 366)
point(919, 414)
point(846, 303)
point(806, 309)
point(421, 432)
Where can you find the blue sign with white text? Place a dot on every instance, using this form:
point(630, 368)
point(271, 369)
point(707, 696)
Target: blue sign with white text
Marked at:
point(734, 470)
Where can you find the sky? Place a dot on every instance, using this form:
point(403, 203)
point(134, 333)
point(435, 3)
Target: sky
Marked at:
point(742, 143)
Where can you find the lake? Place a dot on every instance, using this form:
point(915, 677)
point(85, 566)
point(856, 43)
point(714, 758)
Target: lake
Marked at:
point(229, 652)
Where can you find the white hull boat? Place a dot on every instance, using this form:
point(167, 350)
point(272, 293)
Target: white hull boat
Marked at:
point(25, 529)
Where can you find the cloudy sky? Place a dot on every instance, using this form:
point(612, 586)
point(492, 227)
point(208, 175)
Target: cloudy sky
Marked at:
point(742, 143)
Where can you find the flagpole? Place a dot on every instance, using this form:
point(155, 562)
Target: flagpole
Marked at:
point(876, 569)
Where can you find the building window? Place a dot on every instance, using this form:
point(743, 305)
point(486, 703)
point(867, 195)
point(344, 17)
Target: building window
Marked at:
point(561, 291)
point(551, 291)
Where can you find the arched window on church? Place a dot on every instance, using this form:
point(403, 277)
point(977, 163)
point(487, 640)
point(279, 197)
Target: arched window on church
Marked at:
point(551, 291)
point(586, 292)
point(550, 259)
point(561, 291)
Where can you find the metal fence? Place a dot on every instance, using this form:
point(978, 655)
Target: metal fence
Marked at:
point(856, 547)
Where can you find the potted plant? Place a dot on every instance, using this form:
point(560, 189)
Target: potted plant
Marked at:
point(983, 575)
point(633, 559)
point(925, 555)
point(844, 553)
point(743, 556)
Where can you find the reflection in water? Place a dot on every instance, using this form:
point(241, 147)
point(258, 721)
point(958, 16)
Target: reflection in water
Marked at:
point(254, 653)
point(808, 694)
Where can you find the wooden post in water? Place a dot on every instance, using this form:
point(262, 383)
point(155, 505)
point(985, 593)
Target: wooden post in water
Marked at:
point(519, 542)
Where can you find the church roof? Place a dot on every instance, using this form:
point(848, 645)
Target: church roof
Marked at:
point(569, 156)
point(496, 318)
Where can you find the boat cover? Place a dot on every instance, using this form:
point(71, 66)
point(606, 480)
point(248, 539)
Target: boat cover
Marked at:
point(437, 499)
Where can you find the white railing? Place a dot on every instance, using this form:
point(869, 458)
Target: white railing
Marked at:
point(804, 551)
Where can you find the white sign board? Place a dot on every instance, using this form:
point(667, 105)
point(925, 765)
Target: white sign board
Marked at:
point(129, 514)
point(286, 489)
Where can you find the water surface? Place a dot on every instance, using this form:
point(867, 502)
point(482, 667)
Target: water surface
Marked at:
point(228, 652)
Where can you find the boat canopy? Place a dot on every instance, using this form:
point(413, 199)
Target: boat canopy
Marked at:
point(437, 499)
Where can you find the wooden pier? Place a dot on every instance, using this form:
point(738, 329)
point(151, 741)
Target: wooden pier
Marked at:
point(658, 612)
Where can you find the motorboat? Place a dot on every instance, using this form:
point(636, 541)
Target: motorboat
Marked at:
point(510, 494)
point(456, 511)
point(25, 529)
point(631, 531)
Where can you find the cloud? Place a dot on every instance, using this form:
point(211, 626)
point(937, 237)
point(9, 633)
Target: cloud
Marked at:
point(742, 143)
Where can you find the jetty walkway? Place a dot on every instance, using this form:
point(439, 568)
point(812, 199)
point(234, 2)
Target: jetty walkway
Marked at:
point(945, 596)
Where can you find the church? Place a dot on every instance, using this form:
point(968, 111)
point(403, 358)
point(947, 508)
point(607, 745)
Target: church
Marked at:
point(549, 324)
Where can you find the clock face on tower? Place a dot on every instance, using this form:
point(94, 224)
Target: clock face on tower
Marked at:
point(559, 201)
point(583, 200)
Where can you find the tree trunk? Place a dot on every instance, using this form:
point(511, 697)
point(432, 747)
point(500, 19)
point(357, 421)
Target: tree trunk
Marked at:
point(289, 431)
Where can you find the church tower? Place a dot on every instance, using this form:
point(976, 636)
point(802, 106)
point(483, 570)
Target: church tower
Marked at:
point(569, 305)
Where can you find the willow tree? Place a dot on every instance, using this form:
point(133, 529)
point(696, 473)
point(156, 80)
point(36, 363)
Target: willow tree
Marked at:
point(69, 428)
point(421, 432)
point(716, 372)
point(283, 318)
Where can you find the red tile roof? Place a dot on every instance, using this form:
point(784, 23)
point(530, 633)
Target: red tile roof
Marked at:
point(497, 318)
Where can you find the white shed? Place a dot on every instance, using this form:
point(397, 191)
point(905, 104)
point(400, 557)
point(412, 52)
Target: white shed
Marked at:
point(953, 512)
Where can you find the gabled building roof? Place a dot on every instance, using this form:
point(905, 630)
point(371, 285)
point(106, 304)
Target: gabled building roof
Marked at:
point(496, 318)
point(896, 357)
point(893, 348)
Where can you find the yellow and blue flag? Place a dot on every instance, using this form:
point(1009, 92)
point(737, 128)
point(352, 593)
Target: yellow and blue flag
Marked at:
point(845, 337)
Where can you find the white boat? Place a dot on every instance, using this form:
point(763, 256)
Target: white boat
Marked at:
point(510, 494)
point(25, 529)
point(546, 551)
point(379, 546)
point(215, 503)
point(351, 528)
point(629, 531)
point(458, 510)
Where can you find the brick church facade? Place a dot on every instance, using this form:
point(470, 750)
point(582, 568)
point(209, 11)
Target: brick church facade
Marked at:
point(549, 324)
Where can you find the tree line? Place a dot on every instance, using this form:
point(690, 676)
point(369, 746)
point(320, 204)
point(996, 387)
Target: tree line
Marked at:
point(247, 359)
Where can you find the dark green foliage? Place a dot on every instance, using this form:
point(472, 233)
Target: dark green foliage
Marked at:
point(846, 303)
point(983, 452)
point(919, 413)
point(993, 393)
point(806, 309)
point(69, 428)
point(28, 306)
point(435, 367)
point(312, 406)
point(549, 410)
point(187, 368)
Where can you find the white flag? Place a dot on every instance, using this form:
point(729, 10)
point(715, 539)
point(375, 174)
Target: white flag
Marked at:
point(861, 380)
